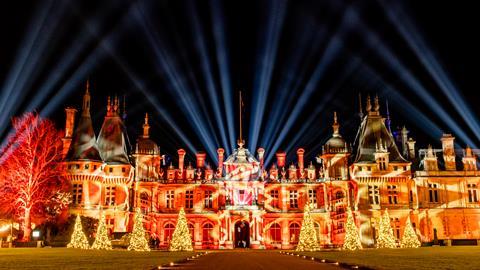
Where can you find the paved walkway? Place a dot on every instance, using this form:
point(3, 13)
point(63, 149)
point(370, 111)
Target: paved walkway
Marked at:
point(249, 259)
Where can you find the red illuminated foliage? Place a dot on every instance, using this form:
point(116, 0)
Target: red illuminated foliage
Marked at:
point(32, 179)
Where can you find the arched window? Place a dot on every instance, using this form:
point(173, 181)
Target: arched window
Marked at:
point(191, 229)
point(294, 233)
point(144, 202)
point(207, 230)
point(168, 232)
point(318, 231)
point(275, 233)
point(339, 195)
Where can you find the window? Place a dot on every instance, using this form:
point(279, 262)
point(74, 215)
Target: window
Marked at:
point(207, 233)
point(382, 163)
point(392, 194)
point(274, 196)
point(191, 229)
point(110, 195)
point(339, 195)
point(373, 194)
point(294, 233)
point(87, 166)
point(189, 199)
point(110, 170)
point(433, 193)
point(123, 169)
point(77, 166)
point(169, 199)
point(472, 193)
point(208, 199)
point(144, 202)
point(396, 227)
point(312, 197)
point(410, 196)
point(168, 232)
point(77, 190)
point(293, 199)
point(275, 234)
point(94, 167)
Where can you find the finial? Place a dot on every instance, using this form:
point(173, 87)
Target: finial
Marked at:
point(146, 127)
point(335, 125)
point(369, 104)
point(377, 106)
point(87, 90)
point(388, 118)
point(109, 105)
point(124, 116)
point(360, 113)
point(240, 141)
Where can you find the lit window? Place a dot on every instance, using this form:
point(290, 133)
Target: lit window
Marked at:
point(77, 190)
point(169, 199)
point(189, 199)
point(293, 199)
point(373, 194)
point(274, 196)
point(392, 194)
point(208, 199)
point(110, 195)
point(472, 193)
point(275, 234)
point(433, 193)
point(294, 233)
point(312, 197)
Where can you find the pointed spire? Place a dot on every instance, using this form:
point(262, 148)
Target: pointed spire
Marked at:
point(388, 121)
point(124, 116)
point(109, 105)
point(376, 104)
point(240, 141)
point(86, 100)
point(369, 104)
point(146, 127)
point(360, 113)
point(335, 125)
point(115, 104)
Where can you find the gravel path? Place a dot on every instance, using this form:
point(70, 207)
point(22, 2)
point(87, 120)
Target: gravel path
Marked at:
point(245, 260)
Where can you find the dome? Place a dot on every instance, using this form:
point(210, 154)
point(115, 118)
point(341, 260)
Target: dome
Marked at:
point(335, 142)
point(146, 146)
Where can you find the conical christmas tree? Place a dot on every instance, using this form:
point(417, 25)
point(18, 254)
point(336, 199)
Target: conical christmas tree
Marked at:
point(385, 239)
point(78, 240)
point(138, 242)
point(352, 237)
point(181, 239)
point(101, 238)
point(307, 241)
point(409, 239)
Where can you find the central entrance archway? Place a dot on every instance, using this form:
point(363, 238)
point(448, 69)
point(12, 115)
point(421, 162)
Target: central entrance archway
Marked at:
point(242, 234)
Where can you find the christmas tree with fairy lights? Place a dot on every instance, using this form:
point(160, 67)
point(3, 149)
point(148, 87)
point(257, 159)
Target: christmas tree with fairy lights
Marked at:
point(181, 239)
point(79, 239)
point(352, 237)
point(410, 238)
point(138, 242)
point(385, 239)
point(101, 238)
point(307, 241)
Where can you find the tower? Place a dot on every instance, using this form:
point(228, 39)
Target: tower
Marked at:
point(69, 125)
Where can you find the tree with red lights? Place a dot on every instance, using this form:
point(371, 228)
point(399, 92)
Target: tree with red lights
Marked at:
point(32, 182)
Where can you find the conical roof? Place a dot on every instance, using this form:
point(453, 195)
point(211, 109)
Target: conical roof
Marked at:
point(374, 135)
point(112, 139)
point(84, 146)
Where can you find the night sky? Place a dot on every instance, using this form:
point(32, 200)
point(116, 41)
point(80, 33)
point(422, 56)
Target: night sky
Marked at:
point(305, 58)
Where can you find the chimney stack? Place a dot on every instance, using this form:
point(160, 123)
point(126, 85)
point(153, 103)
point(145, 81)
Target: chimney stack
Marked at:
point(261, 153)
point(300, 153)
point(181, 159)
point(281, 156)
point(220, 152)
point(201, 159)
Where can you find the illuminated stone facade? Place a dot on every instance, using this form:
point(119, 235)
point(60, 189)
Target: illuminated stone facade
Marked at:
point(242, 203)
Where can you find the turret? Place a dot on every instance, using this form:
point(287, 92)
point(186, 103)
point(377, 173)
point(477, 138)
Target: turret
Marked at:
point(448, 151)
point(201, 159)
point(181, 159)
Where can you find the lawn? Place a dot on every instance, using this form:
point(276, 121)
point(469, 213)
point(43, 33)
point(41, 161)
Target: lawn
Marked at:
point(466, 257)
point(63, 258)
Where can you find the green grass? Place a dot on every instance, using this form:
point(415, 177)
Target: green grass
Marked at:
point(466, 257)
point(65, 258)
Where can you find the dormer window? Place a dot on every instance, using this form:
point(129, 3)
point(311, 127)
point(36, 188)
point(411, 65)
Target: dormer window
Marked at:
point(382, 163)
